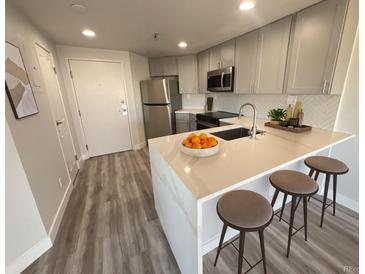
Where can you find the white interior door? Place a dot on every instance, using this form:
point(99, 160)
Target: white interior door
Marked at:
point(101, 98)
point(58, 110)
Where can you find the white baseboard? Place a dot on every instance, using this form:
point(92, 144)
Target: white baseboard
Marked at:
point(139, 146)
point(344, 201)
point(84, 157)
point(61, 209)
point(29, 256)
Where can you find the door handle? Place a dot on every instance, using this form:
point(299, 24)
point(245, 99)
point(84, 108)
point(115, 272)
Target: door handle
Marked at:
point(222, 79)
point(59, 122)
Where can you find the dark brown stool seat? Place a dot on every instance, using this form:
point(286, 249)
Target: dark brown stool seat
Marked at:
point(296, 184)
point(326, 165)
point(330, 167)
point(245, 211)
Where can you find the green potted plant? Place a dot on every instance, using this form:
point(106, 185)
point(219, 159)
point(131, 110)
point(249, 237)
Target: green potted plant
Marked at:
point(276, 115)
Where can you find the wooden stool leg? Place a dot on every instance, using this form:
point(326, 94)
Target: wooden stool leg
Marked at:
point(262, 243)
point(292, 212)
point(315, 179)
point(334, 193)
point(305, 215)
point(296, 206)
point(224, 229)
point(311, 172)
point(282, 207)
point(274, 197)
point(324, 203)
point(240, 252)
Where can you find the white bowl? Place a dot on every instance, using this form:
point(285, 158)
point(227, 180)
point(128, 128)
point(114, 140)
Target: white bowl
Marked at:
point(203, 152)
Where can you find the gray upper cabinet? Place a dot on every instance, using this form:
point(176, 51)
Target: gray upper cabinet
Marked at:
point(314, 47)
point(203, 68)
point(272, 53)
point(261, 59)
point(187, 69)
point(245, 62)
point(163, 66)
point(222, 56)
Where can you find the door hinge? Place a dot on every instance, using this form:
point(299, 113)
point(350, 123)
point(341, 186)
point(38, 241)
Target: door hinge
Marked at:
point(87, 147)
point(54, 70)
point(71, 75)
point(79, 113)
point(76, 158)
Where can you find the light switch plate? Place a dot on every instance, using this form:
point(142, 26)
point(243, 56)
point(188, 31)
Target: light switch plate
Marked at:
point(291, 100)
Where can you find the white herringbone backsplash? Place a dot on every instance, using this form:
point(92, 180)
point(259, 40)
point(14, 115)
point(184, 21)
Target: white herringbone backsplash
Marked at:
point(319, 110)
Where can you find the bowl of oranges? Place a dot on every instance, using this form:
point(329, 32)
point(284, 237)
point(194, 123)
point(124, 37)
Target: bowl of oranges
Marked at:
point(202, 145)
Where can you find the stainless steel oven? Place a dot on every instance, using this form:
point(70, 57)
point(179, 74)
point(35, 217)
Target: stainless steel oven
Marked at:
point(204, 125)
point(221, 80)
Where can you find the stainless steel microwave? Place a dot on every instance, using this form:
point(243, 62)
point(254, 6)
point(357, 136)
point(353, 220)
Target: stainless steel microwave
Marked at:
point(221, 80)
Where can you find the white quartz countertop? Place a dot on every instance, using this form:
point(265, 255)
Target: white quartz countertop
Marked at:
point(190, 110)
point(241, 159)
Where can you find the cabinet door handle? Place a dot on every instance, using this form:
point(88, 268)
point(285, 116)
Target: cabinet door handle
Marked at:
point(324, 86)
point(222, 76)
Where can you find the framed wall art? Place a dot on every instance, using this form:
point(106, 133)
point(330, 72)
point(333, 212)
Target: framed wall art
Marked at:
point(17, 84)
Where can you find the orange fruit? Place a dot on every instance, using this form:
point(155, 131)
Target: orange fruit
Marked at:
point(195, 139)
point(188, 145)
point(211, 139)
point(191, 135)
point(213, 142)
point(197, 145)
point(203, 136)
point(205, 145)
point(185, 141)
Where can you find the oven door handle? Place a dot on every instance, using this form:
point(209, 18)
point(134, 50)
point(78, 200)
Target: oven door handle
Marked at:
point(206, 124)
point(222, 76)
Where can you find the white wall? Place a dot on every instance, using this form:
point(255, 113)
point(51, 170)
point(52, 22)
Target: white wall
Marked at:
point(40, 153)
point(25, 235)
point(140, 71)
point(66, 52)
point(35, 137)
point(348, 121)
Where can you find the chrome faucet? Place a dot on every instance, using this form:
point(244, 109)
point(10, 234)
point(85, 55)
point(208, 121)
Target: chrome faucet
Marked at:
point(253, 129)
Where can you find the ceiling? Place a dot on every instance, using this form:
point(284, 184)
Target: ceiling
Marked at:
point(130, 24)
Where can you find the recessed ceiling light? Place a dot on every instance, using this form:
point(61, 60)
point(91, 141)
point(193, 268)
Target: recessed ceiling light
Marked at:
point(88, 33)
point(78, 8)
point(183, 44)
point(247, 5)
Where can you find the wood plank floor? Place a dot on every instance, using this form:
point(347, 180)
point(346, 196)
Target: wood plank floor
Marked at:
point(110, 226)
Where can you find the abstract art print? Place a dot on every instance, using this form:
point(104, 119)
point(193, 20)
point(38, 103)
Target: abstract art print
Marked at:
point(17, 84)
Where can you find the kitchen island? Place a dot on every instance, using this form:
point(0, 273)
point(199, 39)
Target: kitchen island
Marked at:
point(186, 189)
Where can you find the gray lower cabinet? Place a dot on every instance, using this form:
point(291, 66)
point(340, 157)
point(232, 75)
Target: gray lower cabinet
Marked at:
point(314, 47)
point(185, 122)
point(182, 122)
point(192, 122)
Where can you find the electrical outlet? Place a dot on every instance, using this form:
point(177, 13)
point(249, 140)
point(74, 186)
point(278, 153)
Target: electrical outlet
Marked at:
point(60, 181)
point(291, 100)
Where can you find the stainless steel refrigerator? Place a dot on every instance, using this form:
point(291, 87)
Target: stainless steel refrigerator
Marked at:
point(160, 99)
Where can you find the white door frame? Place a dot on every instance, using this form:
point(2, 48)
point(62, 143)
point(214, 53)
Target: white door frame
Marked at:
point(38, 45)
point(74, 94)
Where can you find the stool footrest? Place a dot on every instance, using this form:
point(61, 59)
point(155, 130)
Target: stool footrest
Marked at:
point(243, 257)
point(285, 221)
point(319, 200)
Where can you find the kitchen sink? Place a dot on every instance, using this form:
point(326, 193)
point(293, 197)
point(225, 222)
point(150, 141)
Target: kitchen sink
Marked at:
point(235, 133)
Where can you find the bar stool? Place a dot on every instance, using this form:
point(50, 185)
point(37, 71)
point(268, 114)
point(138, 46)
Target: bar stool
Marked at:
point(296, 184)
point(328, 166)
point(245, 211)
